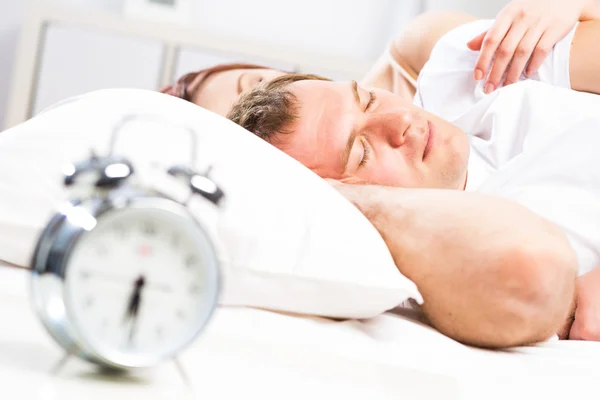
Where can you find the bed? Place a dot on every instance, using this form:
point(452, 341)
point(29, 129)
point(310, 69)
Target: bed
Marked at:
point(252, 352)
point(276, 257)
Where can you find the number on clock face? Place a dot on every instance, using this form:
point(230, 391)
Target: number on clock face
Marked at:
point(142, 282)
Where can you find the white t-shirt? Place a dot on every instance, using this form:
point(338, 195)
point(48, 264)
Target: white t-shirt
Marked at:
point(531, 142)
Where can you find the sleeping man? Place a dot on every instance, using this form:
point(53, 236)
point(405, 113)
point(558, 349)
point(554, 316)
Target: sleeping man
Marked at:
point(488, 201)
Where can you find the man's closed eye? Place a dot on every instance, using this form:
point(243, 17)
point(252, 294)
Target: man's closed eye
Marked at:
point(372, 98)
point(366, 152)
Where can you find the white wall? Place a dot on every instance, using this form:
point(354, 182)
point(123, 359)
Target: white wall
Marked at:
point(479, 8)
point(345, 27)
point(11, 15)
point(354, 28)
point(337, 27)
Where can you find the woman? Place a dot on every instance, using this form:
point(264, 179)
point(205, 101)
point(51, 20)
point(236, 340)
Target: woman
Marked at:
point(218, 87)
point(518, 42)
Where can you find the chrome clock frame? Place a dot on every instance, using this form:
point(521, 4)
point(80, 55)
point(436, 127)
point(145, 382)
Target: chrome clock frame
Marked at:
point(51, 259)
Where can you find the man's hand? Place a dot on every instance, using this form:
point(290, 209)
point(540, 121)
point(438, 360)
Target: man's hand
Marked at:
point(586, 325)
point(563, 333)
point(524, 32)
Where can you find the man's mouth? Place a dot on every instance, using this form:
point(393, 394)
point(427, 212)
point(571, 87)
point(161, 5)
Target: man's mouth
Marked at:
point(428, 139)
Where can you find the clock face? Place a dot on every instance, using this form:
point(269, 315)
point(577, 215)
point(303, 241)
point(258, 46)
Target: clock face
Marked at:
point(141, 285)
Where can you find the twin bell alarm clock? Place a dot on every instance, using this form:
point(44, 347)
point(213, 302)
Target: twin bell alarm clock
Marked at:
point(124, 276)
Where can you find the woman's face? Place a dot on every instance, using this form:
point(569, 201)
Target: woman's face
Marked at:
point(220, 90)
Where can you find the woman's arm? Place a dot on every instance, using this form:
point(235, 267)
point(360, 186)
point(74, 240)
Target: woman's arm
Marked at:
point(524, 32)
point(584, 64)
point(584, 57)
point(491, 272)
point(522, 36)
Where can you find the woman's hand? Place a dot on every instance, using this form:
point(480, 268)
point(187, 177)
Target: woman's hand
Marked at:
point(524, 33)
point(586, 325)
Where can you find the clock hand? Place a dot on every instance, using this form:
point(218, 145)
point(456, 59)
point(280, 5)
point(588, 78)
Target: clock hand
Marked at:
point(134, 306)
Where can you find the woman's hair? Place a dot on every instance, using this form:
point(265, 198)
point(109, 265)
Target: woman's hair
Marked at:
point(188, 84)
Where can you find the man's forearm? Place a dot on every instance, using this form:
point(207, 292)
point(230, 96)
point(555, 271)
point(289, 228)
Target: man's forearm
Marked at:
point(491, 272)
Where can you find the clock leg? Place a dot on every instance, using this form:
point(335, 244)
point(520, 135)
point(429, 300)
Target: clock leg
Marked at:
point(60, 364)
point(184, 376)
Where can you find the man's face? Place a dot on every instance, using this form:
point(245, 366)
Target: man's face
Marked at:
point(347, 133)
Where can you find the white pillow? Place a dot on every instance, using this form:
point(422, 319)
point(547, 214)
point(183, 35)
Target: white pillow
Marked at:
point(289, 241)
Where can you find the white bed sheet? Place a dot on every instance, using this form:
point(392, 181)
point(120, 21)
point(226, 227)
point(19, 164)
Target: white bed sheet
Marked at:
point(256, 353)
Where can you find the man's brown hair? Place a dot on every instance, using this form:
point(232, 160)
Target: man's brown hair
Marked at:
point(269, 108)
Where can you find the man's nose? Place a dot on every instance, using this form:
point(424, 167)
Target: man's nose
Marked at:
point(395, 127)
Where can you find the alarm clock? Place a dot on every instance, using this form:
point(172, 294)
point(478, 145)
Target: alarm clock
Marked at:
point(124, 276)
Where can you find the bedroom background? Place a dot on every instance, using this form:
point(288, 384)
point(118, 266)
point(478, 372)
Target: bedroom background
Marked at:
point(344, 29)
